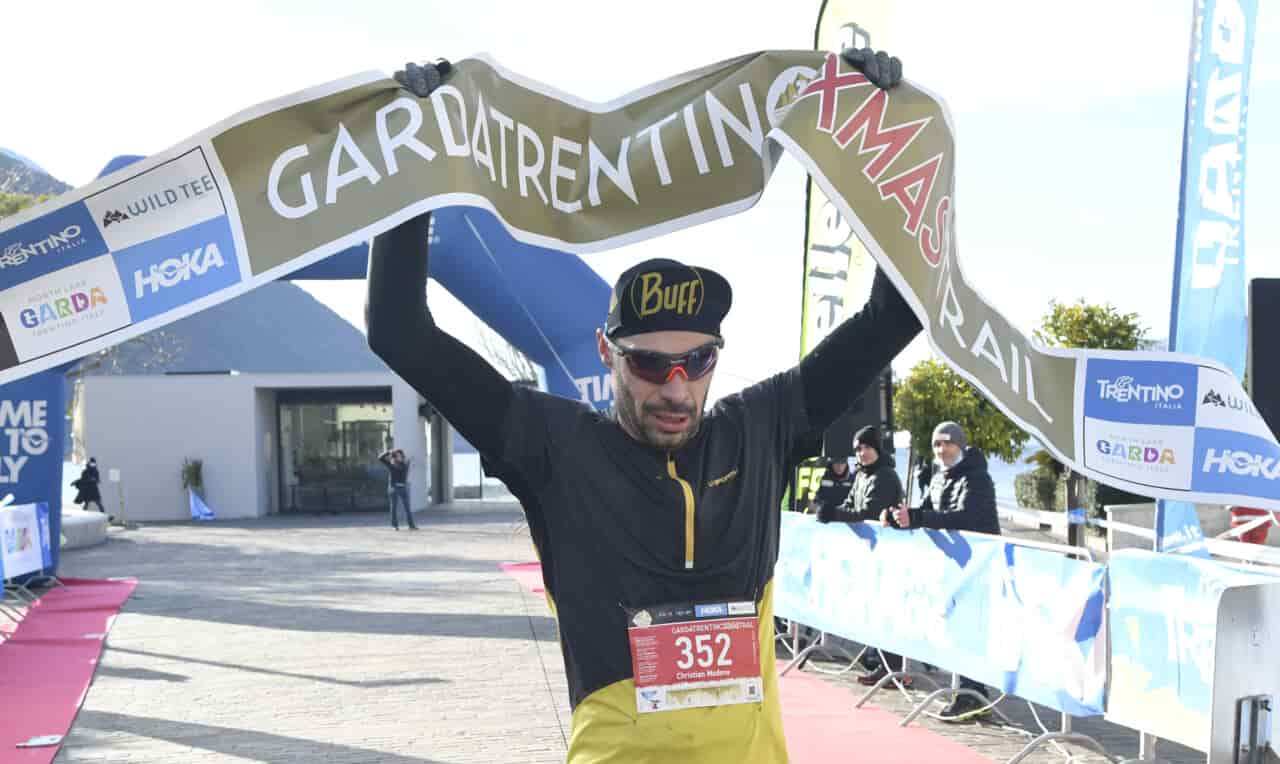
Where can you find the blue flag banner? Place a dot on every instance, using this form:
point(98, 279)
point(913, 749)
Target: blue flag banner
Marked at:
point(1165, 626)
point(1027, 621)
point(1208, 312)
point(199, 510)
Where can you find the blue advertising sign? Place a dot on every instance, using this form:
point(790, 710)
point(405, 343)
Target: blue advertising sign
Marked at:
point(32, 428)
point(164, 273)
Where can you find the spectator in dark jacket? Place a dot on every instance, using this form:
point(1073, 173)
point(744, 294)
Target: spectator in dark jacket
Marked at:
point(962, 497)
point(86, 486)
point(876, 491)
point(836, 483)
point(876, 488)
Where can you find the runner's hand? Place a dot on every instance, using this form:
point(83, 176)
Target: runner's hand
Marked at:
point(883, 70)
point(421, 80)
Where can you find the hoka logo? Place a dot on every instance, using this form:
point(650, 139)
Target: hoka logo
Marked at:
point(177, 269)
point(1241, 463)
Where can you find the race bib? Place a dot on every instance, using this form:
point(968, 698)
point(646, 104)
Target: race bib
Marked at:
point(695, 655)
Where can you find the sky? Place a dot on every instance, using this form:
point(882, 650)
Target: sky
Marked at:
point(1068, 116)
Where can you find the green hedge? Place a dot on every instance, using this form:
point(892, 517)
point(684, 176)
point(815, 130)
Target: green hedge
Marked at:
point(1038, 489)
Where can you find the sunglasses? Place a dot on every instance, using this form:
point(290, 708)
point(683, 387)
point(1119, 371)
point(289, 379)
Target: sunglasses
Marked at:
point(660, 368)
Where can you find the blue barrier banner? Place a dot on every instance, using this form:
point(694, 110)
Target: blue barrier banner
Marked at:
point(1164, 626)
point(24, 540)
point(1027, 621)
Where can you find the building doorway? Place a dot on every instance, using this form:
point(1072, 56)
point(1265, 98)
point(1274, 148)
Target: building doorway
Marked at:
point(330, 441)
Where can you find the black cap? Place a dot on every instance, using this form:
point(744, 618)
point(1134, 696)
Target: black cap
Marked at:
point(664, 295)
point(867, 436)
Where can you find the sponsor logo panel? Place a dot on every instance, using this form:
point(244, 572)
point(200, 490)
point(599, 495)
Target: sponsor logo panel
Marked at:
point(1232, 462)
point(164, 273)
point(1140, 392)
point(49, 243)
point(64, 308)
point(165, 199)
point(1221, 405)
point(1145, 454)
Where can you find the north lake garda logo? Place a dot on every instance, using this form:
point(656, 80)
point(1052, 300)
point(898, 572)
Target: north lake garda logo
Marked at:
point(59, 305)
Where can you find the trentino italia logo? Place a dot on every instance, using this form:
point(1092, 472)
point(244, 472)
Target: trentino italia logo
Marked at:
point(62, 307)
point(113, 216)
point(18, 253)
point(1123, 390)
point(175, 270)
point(1213, 398)
point(1133, 452)
point(1241, 463)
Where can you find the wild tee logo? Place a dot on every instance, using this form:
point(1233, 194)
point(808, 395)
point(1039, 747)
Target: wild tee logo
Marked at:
point(113, 216)
point(649, 295)
point(1213, 398)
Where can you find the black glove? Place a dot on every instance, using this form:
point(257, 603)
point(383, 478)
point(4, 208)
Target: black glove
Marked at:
point(826, 512)
point(421, 80)
point(883, 70)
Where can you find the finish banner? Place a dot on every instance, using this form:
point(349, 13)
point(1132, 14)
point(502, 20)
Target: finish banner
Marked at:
point(285, 184)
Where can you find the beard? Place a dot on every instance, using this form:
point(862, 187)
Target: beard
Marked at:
point(636, 421)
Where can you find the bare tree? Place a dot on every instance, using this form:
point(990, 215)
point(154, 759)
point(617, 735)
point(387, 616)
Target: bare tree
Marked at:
point(150, 353)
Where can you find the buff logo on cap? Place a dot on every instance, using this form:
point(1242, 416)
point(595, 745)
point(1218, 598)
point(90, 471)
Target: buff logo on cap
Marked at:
point(665, 295)
point(649, 295)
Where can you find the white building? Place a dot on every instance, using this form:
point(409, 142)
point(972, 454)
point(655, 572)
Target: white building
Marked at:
point(269, 443)
point(296, 427)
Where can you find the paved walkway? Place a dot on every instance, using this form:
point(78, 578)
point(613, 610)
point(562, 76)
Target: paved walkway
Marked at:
point(330, 640)
point(337, 640)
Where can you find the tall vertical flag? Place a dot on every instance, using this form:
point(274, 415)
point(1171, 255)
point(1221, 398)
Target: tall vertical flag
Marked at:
point(1208, 313)
point(837, 268)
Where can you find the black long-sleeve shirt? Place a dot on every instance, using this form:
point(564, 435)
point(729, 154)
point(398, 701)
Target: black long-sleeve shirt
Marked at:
point(620, 524)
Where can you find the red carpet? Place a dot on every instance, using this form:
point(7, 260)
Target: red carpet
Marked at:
point(48, 661)
point(529, 574)
point(823, 726)
point(820, 720)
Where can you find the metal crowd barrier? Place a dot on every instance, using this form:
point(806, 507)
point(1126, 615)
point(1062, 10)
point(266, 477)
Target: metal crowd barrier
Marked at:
point(1222, 546)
